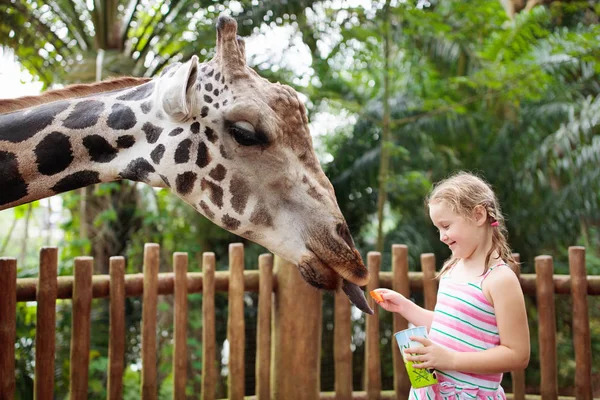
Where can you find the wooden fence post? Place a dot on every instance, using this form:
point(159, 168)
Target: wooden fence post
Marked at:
point(581, 324)
point(401, 284)
point(518, 377)
point(430, 285)
point(116, 341)
point(547, 327)
point(372, 357)
point(180, 267)
point(81, 328)
point(297, 336)
point(235, 323)
point(342, 352)
point(263, 330)
point(209, 350)
point(149, 307)
point(8, 326)
point(45, 330)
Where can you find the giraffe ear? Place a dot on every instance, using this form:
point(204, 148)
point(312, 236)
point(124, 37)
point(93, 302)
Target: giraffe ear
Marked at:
point(177, 92)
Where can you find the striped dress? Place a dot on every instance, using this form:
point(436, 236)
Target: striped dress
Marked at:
point(463, 321)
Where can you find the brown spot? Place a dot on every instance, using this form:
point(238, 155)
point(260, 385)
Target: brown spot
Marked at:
point(218, 173)
point(207, 212)
point(223, 152)
point(203, 155)
point(240, 192)
point(216, 192)
point(230, 223)
point(312, 192)
point(261, 216)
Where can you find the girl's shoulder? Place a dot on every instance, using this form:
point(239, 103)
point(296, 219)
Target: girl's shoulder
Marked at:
point(499, 278)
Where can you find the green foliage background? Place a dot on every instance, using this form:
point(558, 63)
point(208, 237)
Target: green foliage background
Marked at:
point(515, 99)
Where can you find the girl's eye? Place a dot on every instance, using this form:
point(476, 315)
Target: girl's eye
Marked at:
point(245, 135)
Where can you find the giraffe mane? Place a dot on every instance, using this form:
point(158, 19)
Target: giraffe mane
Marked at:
point(69, 92)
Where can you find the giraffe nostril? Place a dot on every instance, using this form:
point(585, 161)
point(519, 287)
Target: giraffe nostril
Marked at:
point(344, 232)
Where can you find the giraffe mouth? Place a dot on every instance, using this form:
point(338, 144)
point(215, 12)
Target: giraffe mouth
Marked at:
point(320, 274)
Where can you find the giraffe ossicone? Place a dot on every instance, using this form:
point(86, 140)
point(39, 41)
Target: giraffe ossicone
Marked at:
point(233, 145)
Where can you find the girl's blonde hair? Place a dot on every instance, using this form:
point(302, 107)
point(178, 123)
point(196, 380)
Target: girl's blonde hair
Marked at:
point(462, 193)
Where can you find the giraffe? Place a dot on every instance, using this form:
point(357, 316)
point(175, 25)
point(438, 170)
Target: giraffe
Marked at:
point(231, 144)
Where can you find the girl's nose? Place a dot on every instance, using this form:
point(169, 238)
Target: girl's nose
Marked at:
point(443, 237)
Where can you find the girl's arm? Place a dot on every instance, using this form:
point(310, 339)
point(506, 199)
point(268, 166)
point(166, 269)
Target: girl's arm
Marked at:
point(512, 354)
point(395, 302)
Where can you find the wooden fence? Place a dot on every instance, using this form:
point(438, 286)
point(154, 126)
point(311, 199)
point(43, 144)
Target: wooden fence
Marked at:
point(288, 324)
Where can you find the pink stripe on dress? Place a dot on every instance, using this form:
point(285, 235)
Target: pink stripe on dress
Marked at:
point(467, 310)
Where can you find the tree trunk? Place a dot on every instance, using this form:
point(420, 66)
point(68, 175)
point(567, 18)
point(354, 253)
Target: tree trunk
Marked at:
point(385, 138)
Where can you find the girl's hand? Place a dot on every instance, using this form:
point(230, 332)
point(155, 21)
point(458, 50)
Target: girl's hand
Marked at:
point(392, 301)
point(430, 356)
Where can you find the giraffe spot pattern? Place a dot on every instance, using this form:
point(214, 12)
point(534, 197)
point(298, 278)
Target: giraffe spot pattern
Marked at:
point(121, 117)
point(216, 106)
point(240, 191)
point(19, 126)
point(195, 128)
point(99, 149)
point(207, 98)
point(218, 173)
point(207, 212)
point(139, 93)
point(217, 76)
point(223, 152)
point(76, 180)
point(84, 115)
point(182, 153)
point(230, 223)
point(185, 182)
point(204, 111)
point(53, 153)
point(216, 193)
point(210, 134)
point(224, 102)
point(261, 216)
point(216, 92)
point(12, 183)
point(210, 73)
point(137, 170)
point(125, 141)
point(165, 180)
point(203, 155)
point(152, 132)
point(175, 131)
point(146, 107)
point(158, 153)
point(208, 87)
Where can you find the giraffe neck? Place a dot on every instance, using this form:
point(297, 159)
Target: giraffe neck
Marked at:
point(65, 145)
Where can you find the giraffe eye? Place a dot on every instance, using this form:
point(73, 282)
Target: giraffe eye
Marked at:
point(244, 134)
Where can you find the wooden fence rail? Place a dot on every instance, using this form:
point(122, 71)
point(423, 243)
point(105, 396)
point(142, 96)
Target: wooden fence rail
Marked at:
point(288, 324)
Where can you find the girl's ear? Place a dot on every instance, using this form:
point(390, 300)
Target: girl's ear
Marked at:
point(480, 215)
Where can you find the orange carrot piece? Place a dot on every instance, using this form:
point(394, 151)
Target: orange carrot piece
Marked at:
point(376, 296)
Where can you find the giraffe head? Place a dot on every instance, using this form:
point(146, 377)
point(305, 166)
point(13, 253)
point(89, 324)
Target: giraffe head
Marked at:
point(256, 173)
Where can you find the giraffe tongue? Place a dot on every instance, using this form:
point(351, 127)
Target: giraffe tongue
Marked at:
point(356, 296)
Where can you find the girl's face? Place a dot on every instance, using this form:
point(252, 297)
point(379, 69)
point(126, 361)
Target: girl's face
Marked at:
point(462, 235)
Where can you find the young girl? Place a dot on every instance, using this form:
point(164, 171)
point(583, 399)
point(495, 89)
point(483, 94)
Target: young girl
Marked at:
point(478, 329)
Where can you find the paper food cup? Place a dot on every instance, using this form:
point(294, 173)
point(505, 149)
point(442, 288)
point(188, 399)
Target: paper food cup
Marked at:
point(419, 377)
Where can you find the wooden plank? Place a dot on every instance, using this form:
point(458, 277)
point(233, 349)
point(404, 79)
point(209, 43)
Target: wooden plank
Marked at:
point(263, 330)
point(81, 328)
point(8, 326)
point(209, 352)
point(342, 351)
point(581, 324)
point(430, 284)
point(297, 325)
point(235, 323)
point(372, 356)
point(401, 284)
point(150, 299)
point(116, 341)
point(180, 266)
point(134, 283)
point(45, 330)
point(547, 327)
point(518, 377)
